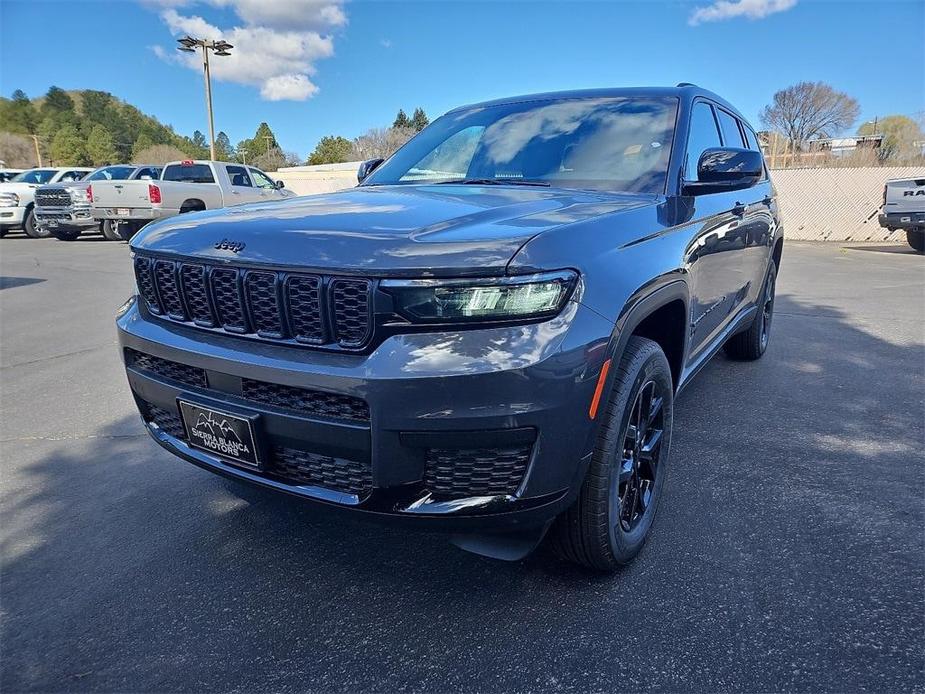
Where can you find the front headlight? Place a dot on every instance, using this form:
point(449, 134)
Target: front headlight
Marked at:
point(9, 200)
point(494, 299)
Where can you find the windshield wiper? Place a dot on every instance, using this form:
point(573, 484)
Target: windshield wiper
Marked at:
point(492, 182)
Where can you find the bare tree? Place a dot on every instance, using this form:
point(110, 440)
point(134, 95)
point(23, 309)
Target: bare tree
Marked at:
point(17, 151)
point(271, 160)
point(381, 142)
point(810, 109)
point(159, 154)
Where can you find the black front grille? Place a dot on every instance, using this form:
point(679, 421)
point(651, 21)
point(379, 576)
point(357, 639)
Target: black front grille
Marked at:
point(279, 306)
point(476, 471)
point(181, 373)
point(338, 474)
point(313, 402)
point(52, 197)
point(289, 465)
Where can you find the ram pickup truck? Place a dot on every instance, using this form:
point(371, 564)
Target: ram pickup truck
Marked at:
point(486, 336)
point(17, 196)
point(904, 208)
point(63, 210)
point(184, 186)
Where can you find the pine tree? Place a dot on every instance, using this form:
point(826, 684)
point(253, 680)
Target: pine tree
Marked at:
point(419, 120)
point(331, 149)
point(401, 120)
point(100, 148)
point(67, 149)
point(20, 115)
point(223, 149)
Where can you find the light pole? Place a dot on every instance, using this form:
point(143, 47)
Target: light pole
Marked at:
point(188, 45)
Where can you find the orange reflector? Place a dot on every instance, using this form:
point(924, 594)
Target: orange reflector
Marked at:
point(596, 400)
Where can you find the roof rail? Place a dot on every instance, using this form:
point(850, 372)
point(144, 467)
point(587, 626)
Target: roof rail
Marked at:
point(686, 84)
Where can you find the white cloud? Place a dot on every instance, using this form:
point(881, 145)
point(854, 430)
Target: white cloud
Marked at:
point(275, 50)
point(729, 9)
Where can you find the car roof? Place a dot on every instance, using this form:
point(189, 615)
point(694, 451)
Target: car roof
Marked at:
point(684, 92)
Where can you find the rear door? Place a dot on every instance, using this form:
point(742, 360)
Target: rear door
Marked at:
point(757, 222)
point(720, 271)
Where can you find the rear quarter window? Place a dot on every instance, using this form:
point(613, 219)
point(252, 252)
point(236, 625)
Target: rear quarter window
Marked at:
point(732, 136)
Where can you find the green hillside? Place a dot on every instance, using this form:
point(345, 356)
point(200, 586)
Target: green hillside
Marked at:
point(89, 127)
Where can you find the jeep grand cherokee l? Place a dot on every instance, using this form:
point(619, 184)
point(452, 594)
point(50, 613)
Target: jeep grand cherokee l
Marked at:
point(485, 336)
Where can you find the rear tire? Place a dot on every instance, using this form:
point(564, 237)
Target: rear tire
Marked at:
point(608, 524)
point(110, 231)
point(752, 343)
point(66, 234)
point(916, 239)
point(32, 231)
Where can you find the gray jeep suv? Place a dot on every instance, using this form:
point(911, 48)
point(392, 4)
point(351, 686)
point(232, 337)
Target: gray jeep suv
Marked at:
point(486, 335)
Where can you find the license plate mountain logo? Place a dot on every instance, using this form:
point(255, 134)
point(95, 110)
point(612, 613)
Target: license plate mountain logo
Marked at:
point(219, 435)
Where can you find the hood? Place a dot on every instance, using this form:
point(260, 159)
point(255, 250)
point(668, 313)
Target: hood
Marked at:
point(374, 230)
point(18, 188)
point(75, 185)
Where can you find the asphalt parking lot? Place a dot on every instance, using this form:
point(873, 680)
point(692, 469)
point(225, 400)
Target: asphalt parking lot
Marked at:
point(789, 553)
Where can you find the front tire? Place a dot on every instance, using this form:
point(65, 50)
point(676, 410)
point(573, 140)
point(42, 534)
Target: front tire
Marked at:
point(608, 524)
point(751, 344)
point(29, 226)
point(916, 239)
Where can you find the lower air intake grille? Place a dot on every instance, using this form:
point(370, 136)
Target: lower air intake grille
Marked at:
point(182, 373)
point(337, 474)
point(476, 471)
point(170, 422)
point(313, 402)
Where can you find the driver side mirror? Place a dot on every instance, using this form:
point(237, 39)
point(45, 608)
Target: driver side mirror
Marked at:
point(280, 185)
point(723, 169)
point(366, 168)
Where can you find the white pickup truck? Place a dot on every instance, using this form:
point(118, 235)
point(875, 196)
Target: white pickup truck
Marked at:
point(904, 208)
point(184, 186)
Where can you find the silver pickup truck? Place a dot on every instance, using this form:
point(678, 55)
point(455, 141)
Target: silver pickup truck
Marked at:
point(63, 210)
point(904, 208)
point(184, 186)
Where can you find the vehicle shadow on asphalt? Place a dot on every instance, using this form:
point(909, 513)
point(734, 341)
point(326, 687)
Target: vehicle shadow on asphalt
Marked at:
point(787, 555)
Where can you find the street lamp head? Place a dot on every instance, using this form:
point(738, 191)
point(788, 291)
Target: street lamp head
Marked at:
point(222, 52)
point(185, 49)
point(187, 42)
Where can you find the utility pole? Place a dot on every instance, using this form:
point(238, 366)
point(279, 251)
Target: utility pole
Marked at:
point(268, 138)
point(38, 154)
point(188, 45)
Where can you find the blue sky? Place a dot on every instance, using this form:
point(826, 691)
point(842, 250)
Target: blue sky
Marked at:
point(316, 67)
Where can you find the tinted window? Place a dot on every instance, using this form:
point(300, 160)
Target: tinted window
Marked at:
point(72, 176)
point(111, 173)
point(238, 176)
point(600, 143)
point(732, 137)
point(261, 179)
point(35, 176)
point(751, 138)
point(148, 172)
point(703, 135)
point(189, 173)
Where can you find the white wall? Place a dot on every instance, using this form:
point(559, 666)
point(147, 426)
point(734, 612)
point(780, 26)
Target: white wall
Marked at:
point(816, 204)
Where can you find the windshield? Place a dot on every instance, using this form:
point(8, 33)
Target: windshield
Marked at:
point(35, 176)
point(620, 144)
point(190, 173)
point(111, 173)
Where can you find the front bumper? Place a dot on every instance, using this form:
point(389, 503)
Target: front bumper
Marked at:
point(72, 217)
point(12, 216)
point(902, 220)
point(445, 410)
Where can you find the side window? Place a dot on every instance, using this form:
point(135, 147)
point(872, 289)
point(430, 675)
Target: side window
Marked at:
point(261, 179)
point(751, 138)
point(72, 176)
point(147, 174)
point(703, 135)
point(732, 136)
point(239, 176)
